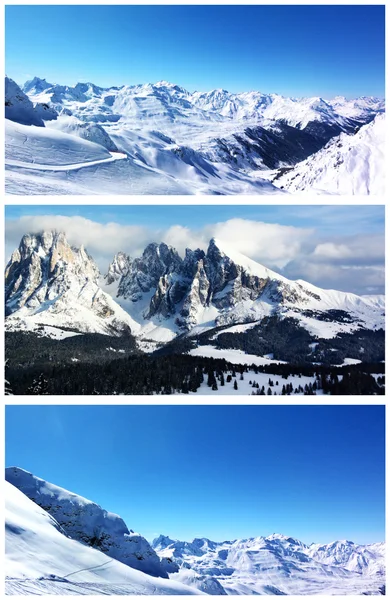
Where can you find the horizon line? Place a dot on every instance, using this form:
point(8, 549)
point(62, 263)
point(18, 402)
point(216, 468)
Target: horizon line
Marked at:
point(146, 83)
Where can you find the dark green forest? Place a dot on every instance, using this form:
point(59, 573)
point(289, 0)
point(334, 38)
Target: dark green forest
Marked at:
point(41, 366)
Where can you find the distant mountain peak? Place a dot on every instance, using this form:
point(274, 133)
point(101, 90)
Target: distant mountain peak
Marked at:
point(36, 85)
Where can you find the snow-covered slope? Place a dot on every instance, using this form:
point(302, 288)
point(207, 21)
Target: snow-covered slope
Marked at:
point(160, 295)
point(87, 522)
point(24, 144)
point(41, 559)
point(368, 559)
point(182, 142)
point(276, 564)
point(49, 283)
point(60, 543)
point(348, 164)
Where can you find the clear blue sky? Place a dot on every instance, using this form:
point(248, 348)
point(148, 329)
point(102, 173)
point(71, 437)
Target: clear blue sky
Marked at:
point(334, 219)
point(292, 50)
point(313, 472)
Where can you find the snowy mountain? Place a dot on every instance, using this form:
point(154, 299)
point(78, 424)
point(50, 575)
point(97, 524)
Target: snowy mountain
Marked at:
point(36, 86)
point(41, 558)
point(368, 559)
point(176, 141)
point(223, 287)
point(19, 108)
point(276, 564)
point(160, 295)
point(348, 164)
point(50, 284)
point(60, 543)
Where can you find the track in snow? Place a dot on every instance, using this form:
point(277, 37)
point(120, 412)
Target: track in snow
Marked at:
point(72, 167)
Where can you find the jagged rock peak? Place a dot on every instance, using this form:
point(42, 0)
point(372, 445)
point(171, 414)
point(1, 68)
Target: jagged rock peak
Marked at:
point(164, 253)
point(45, 266)
point(119, 267)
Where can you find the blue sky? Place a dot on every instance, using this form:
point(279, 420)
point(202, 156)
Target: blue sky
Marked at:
point(292, 50)
point(313, 472)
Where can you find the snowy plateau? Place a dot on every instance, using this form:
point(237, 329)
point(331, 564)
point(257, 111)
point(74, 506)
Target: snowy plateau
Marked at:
point(214, 305)
point(162, 139)
point(60, 543)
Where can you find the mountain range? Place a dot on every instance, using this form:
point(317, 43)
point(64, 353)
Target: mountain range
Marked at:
point(161, 138)
point(59, 542)
point(159, 295)
point(186, 320)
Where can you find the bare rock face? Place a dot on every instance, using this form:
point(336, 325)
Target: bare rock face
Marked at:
point(43, 268)
point(89, 523)
point(144, 273)
point(119, 267)
point(50, 283)
point(185, 288)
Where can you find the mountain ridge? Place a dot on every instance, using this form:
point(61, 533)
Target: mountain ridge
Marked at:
point(160, 295)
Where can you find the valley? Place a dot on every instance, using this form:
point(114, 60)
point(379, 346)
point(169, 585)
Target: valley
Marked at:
point(162, 139)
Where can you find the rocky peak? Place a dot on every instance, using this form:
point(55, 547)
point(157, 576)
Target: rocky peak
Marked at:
point(49, 283)
point(191, 261)
point(119, 267)
point(220, 268)
point(44, 267)
point(161, 542)
point(144, 273)
point(161, 258)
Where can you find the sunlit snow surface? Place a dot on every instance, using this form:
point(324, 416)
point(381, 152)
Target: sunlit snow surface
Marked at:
point(348, 164)
point(175, 142)
point(40, 559)
point(278, 564)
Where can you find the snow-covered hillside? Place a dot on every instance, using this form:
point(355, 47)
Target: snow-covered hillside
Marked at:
point(41, 559)
point(87, 522)
point(60, 543)
point(276, 564)
point(160, 295)
point(348, 164)
point(177, 141)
